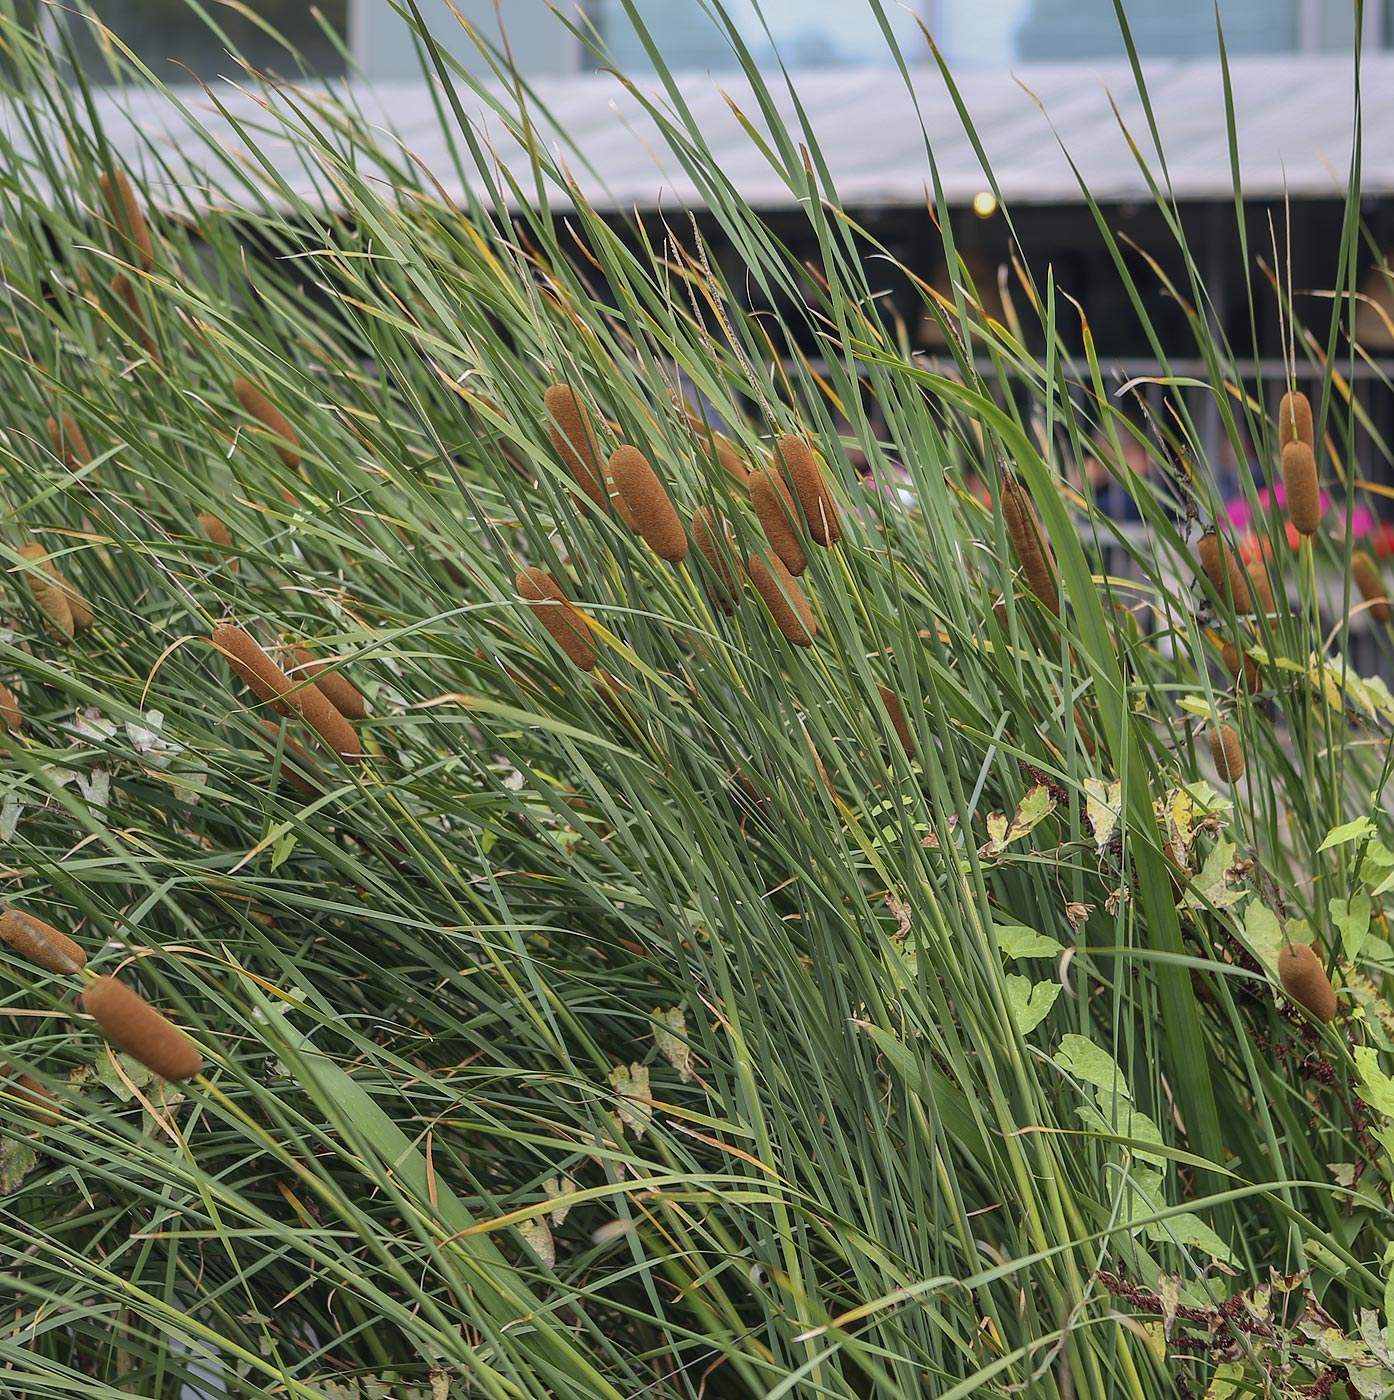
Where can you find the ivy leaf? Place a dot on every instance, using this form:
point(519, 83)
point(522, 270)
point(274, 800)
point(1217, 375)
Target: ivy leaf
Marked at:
point(1033, 809)
point(1084, 1060)
point(109, 1076)
point(632, 1085)
point(559, 1189)
point(996, 834)
point(1352, 918)
point(1103, 805)
point(1349, 831)
point(17, 1160)
point(538, 1238)
point(670, 1033)
point(1018, 941)
point(1212, 886)
point(1030, 1002)
point(1124, 1121)
point(1191, 1230)
point(1264, 931)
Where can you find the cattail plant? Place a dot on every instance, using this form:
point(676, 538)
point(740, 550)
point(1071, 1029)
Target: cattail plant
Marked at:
point(122, 288)
point(1243, 668)
point(901, 725)
point(342, 693)
point(1224, 572)
point(41, 943)
point(57, 598)
point(42, 1103)
point(651, 507)
point(128, 217)
point(714, 444)
point(1295, 419)
point(774, 508)
point(574, 440)
point(1300, 484)
point(717, 547)
point(1227, 752)
point(271, 684)
point(11, 716)
point(1304, 979)
point(1371, 586)
point(1260, 587)
point(69, 446)
point(555, 611)
point(1029, 543)
point(216, 531)
point(257, 405)
point(803, 473)
point(782, 595)
point(133, 1025)
point(297, 766)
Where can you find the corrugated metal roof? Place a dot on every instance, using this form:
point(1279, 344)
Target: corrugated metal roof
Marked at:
point(1293, 115)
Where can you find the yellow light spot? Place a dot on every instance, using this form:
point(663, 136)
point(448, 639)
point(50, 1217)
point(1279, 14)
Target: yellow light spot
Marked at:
point(985, 204)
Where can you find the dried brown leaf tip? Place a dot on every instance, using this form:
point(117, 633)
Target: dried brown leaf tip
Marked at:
point(1222, 568)
point(774, 508)
point(554, 610)
point(574, 440)
point(803, 473)
point(41, 943)
point(342, 693)
point(133, 1025)
point(255, 403)
point(1304, 979)
point(1371, 586)
point(781, 594)
point(69, 446)
point(127, 215)
point(271, 684)
point(1029, 544)
point(66, 609)
point(651, 508)
point(717, 547)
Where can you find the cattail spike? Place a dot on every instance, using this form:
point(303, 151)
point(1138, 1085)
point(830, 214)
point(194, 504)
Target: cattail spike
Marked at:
point(43, 1103)
point(1295, 420)
point(271, 684)
point(60, 601)
point(297, 766)
point(573, 438)
point(126, 214)
point(342, 693)
point(1243, 668)
point(41, 943)
point(1029, 544)
point(774, 508)
point(254, 401)
point(555, 611)
point(1371, 586)
point(69, 446)
point(218, 533)
point(782, 595)
point(1301, 487)
point(655, 518)
point(1227, 752)
point(802, 472)
point(713, 444)
point(719, 557)
point(133, 1025)
point(1304, 979)
point(121, 287)
point(1260, 587)
point(11, 716)
point(1224, 572)
point(899, 723)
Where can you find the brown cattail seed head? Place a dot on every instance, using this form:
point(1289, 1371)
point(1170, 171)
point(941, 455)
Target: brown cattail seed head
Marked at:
point(1227, 753)
point(774, 507)
point(655, 518)
point(1260, 587)
point(1243, 668)
point(712, 443)
point(804, 475)
point(127, 216)
point(297, 766)
point(784, 598)
point(64, 606)
point(1223, 571)
point(1304, 979)
point(218, 533)
point(69, 446)
point(122, 287)
point(271, 684)
point(255, 402)
point(41, 943)
point(1295, 420)
point(898, 721)
point(541, 592)
point(1371, 586)
point(1029, 544)
point(43, 1105)
point(569, 426)
point(1300, 484)
point(341, 692)
point(133, 1025)
point(11, 716)
point(718, 555)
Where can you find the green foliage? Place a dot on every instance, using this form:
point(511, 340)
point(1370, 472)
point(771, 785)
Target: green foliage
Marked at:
point(664, 1029)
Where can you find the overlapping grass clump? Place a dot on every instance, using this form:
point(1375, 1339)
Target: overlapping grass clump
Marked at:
point(825, 961)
